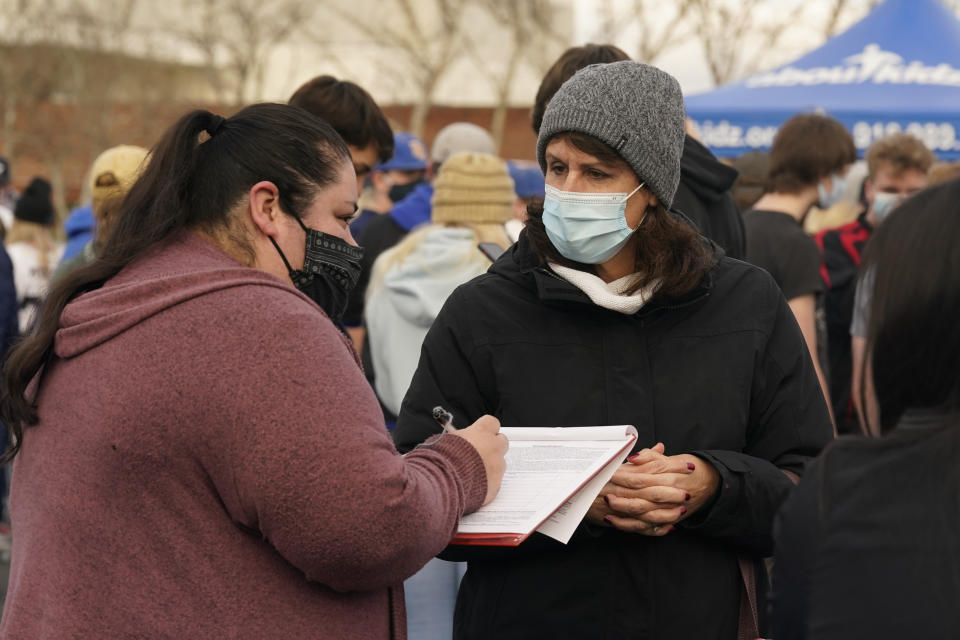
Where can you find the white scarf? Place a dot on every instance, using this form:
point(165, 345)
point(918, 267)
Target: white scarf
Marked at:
point(609, 295)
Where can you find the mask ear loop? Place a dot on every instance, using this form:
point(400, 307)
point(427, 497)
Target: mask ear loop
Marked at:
point(282, 257)
point(286, 263)
point(639, 186)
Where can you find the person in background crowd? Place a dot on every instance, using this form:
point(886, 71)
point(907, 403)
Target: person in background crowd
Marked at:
point(943, 171)
point(9, 330)
point(868, 546)
point(384, 232)
point(472, 199)
point(845, 210)
point(221, 486)
point(897, 169)
point(752, 175)
point(32, 248)
point(8, 196)
point(80, 228)
point(354, 115)
point(705, 196)
point(611, 310)
point(393, 180)
point(111, 176)
point(528, 184)
point(810, 156)
point(705, 182)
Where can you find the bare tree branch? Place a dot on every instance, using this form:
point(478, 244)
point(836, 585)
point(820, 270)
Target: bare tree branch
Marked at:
point(738, 37)
point(237, 37)
point(658, 36)
point(425, 45)
point(524, 32)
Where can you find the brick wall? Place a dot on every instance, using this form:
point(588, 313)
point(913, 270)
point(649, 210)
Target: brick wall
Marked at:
point(64, 132)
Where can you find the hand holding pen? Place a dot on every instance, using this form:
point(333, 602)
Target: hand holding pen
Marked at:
point(444, 418)
point(485, 436)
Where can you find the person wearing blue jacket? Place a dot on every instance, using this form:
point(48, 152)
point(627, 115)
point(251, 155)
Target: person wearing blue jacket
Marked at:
point(9, 330)
point(412, 211)
point(393, 180)
point(80, 227)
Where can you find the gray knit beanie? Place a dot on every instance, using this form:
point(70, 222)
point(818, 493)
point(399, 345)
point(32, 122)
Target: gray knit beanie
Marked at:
point(634, 108)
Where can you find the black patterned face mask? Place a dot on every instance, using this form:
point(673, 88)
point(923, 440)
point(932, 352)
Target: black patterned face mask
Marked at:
point(331, 268)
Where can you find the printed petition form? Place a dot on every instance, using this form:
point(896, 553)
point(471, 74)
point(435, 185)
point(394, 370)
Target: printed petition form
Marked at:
point(552, 477)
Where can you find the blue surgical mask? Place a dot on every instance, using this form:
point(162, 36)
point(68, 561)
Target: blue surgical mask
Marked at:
point(883, 204)
point(589, 228)
point(838, 188)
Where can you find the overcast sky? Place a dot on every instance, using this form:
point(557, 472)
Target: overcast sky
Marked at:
point(687, 62)
point(370, 66)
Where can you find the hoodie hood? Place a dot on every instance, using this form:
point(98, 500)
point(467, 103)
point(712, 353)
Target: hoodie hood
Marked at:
point(706, 176)
point(80, 220)
point(442, 260)
point(415, 209)
point(180, 269)
point(79, 227)
point(404, 302)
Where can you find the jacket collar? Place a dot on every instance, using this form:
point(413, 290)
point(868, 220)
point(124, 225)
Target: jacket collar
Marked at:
point(522, 266)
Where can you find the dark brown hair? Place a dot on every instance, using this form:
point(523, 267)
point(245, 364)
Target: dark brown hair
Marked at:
point(912, 337)
point(569, 62)
point(192, 181)
point(808, 147)
point(668, 248)
point(350, 110)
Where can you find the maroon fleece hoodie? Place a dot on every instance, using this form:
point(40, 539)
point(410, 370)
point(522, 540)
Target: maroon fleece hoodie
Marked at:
point(211, 463)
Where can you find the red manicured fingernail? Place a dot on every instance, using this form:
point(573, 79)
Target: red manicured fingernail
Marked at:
point(633, 456)
point(691, 466)
point(683, 510)
point(686, 496)
point(607, 520)
point(606, 499)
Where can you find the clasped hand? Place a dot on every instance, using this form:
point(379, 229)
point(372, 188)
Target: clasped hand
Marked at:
point(651, 492)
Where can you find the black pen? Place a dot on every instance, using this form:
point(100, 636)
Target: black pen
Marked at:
point(444, 418)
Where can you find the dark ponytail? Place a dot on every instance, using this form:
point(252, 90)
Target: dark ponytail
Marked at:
point(196, 176)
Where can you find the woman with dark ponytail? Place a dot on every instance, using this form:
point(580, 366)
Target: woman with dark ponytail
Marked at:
point(224, 471)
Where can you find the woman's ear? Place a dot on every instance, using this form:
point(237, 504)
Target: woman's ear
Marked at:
point(264, 207)
point(652, 200)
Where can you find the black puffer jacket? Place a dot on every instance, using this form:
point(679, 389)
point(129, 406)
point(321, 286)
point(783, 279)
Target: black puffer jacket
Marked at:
point(722, 373)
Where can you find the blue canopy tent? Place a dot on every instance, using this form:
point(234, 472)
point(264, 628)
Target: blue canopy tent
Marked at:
point(898, 69)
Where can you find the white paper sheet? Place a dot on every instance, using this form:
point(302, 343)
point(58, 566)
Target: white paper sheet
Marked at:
point(545, 467)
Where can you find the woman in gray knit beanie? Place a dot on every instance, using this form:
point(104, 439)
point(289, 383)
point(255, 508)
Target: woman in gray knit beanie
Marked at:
point(611, 309)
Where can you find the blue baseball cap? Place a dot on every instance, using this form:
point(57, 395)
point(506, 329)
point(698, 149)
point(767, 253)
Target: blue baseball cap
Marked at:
point(527, 179)
point(409, 154)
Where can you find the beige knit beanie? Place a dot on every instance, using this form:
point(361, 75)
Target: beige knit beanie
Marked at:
point(473, 188)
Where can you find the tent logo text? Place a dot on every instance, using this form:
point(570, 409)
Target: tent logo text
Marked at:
point(873, 65)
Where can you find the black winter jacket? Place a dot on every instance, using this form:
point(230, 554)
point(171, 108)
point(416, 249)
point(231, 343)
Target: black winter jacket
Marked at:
point(722, 373)
point(868, 544)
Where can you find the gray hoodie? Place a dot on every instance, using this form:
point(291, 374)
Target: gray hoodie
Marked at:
point(404, 300)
